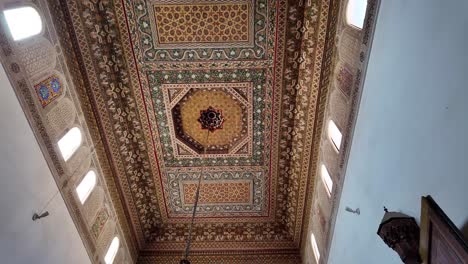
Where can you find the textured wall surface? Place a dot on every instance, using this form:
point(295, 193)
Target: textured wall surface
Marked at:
point(410, 138)
point(26, 185)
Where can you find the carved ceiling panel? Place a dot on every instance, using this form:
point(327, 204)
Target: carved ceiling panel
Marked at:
point(154, 67)
point(184, 104)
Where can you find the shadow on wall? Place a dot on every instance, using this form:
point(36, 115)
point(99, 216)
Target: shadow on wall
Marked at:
point(464, 230)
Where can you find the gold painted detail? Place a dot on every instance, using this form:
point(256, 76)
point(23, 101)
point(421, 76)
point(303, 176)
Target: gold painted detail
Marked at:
point(183, 103)
point(211, 119)
point(202, 23)
point(233, 192)
point(203, 99)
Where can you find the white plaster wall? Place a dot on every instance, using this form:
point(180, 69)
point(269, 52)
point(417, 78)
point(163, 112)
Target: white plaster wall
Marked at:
point(26, 184)
point(411, 137)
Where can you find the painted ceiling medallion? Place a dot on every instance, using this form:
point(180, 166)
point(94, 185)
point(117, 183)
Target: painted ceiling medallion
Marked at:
point(211, 119)
point(187, 135)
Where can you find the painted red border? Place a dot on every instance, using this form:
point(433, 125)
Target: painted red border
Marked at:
point(151, 129)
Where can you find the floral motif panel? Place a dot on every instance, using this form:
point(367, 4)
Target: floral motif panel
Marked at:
point(202, 30)
point(203, 23)
point(149, 85)
point(345, 79)
point(48, 90)
point(99, 223)
point(224, 192)
point(227, 193)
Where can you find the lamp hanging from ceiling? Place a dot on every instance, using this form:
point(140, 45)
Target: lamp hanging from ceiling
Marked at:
point(210, 119)
point(401, 233)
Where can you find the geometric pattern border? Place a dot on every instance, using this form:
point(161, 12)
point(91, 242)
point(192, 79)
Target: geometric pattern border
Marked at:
point(167, 236)
point(174, 93)
point(253, 49)
point(232, 29)
point(261, 112)
point(255, 207)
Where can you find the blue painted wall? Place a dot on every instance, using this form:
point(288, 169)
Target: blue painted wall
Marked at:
point(26, 185)
point(411, 136)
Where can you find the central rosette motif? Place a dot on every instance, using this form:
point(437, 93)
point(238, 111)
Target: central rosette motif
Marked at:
point(200, 110)
point(211, 119)
point(226, 108)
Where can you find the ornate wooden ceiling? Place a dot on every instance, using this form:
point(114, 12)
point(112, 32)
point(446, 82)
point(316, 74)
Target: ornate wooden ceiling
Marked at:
point(150, 68)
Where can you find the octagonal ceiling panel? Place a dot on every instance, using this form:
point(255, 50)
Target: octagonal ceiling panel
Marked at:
point(184, 104)
point(152, 67)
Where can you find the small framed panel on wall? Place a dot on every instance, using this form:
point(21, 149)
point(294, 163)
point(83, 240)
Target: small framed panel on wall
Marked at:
point(441, 242)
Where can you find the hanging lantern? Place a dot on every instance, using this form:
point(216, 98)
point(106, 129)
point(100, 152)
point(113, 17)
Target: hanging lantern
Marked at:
point(401, 233)
point(212, 120)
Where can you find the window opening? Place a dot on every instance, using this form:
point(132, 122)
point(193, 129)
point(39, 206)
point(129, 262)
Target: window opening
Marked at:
point(86, 186)
point(315, 248)
point(335, 134)
point(327, 180)
point(112, 251)
point(23, 22)
point(356, 13)
point(69, 143)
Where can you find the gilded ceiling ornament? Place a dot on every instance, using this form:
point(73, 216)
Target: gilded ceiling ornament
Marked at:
point(211, 119)
point(140, 92)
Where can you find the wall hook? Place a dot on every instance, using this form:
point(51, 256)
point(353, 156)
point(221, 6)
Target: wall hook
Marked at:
point(37, 217)
point(357, 211)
